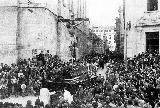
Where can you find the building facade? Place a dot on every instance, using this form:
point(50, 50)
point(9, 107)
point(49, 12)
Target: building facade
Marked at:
point(107, 34)
point(80, 29)
point(28, 27)
point(97, 44)
point(142, 20)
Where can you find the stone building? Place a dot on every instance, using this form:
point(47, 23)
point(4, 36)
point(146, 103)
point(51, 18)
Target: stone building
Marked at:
point(98, 45)
point(80, 29)
point(28, 27)
point(107, 34)
point(142, 19)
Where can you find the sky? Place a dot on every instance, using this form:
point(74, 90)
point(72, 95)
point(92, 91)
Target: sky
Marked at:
point(103, 12)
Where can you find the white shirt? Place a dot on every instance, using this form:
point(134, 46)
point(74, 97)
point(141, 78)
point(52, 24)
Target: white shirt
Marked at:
point(14, 80)
point(68, 96)
point(23, 86)
point(99, 105)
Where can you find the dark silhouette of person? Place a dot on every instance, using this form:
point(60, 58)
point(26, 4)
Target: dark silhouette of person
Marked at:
point(41, 58)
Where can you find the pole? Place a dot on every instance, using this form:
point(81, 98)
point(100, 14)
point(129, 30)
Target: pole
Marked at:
point(72, 7)
point(58, 29)
point(85, 11)
point(75, 34)
point(107, 46)
point(80, 10)
point(125, 41)
point(125, 33)
point(18, 38)
point(69, 5)
point(75, 53)
point(104, 45)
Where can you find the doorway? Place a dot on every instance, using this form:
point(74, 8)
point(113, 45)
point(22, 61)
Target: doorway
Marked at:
point(152, 41)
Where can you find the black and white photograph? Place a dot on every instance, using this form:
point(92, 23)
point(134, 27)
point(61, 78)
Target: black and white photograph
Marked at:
point(79, 54)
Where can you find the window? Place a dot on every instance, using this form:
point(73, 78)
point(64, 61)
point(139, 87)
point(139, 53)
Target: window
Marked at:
point(96, 30)
point(152, 5)
point(109, 30)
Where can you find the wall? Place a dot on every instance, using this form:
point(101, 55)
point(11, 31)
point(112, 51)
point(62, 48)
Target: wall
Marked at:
point(80, 8)
point(37, 31)
point(106, 34)
point(118, 34)
point(97, 43)
point(99, 31)
point(141, 41)
point(99, 46)
point(8, 28)
point(8, 2)
point(65, 42)
point(136, 10)
point(84, 44)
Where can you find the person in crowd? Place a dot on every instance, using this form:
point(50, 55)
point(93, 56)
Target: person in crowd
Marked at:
point(29, 104)
point(41, 58)
point(23, 89)
point(13, 81)
point(121, 88)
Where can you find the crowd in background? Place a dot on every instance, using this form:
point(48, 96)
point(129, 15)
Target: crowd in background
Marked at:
point(27, 77)
point(134, 86)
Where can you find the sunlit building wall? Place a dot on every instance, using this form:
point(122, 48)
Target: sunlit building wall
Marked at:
point(106, 34)
point(26, 27)
point(142, 19)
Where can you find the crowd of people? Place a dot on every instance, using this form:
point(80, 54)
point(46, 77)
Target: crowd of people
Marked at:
point(136, 85)
point(27, 77)
point(38, 104)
